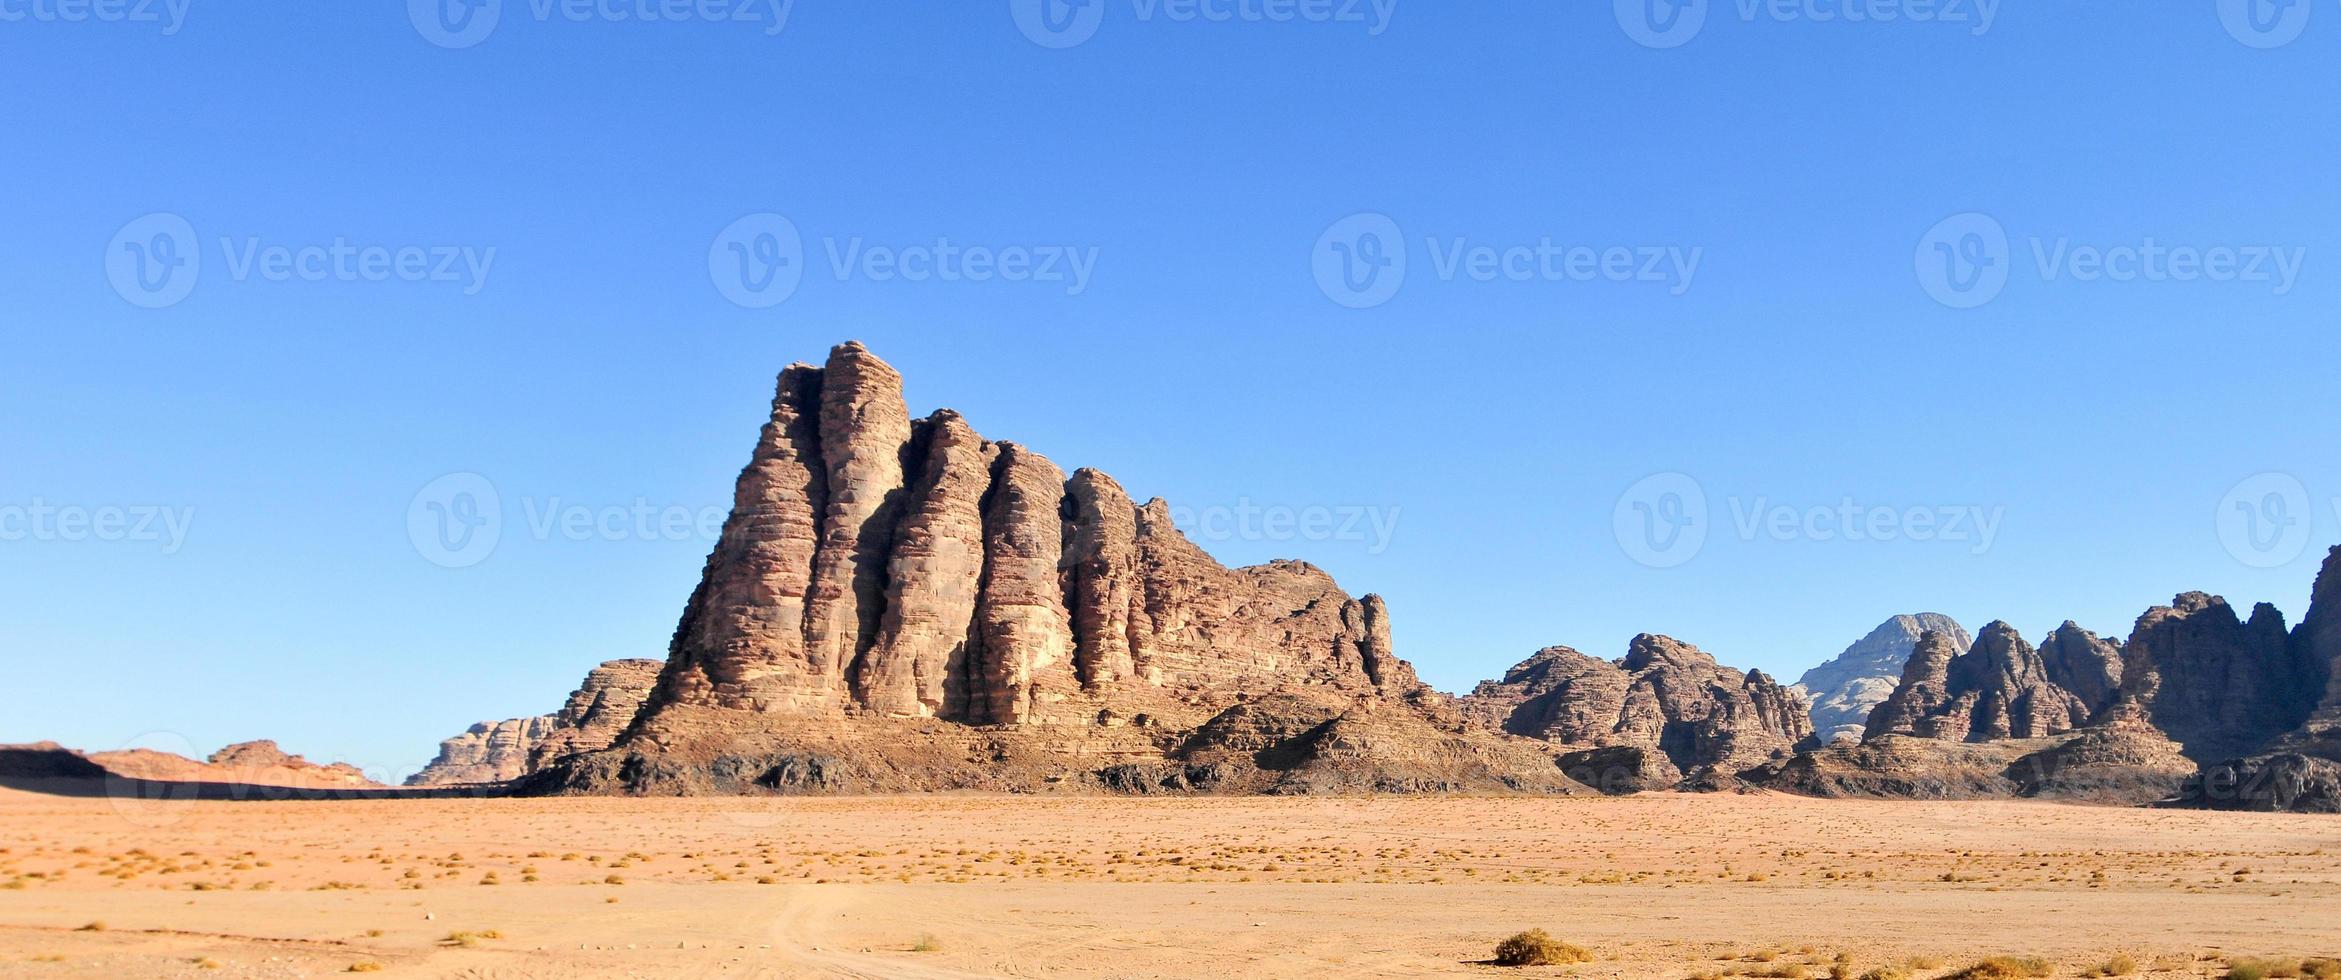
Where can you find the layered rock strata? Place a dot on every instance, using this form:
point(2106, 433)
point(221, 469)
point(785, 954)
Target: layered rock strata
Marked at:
point(1665, 696)
point(502, 751)
point(1845, 689)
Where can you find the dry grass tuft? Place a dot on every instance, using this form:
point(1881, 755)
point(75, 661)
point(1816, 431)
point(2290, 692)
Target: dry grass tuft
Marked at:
point(2005, 968)
point(1538, 948)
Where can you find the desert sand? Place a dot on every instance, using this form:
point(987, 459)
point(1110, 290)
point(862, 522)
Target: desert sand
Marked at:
point(1660, 885)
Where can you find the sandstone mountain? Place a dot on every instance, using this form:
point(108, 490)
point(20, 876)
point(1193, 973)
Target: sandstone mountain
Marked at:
point(900, 604)
point(1677, 710)
point(2301, 769)
point(244, 764)
point(2200, 704)
point(501, 751)
point(1998, 689)
point(1843, 690)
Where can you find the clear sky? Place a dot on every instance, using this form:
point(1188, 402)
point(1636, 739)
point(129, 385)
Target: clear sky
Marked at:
point(2069, 275)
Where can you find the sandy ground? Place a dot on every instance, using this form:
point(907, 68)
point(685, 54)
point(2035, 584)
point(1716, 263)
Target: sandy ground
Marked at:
point(942, 887)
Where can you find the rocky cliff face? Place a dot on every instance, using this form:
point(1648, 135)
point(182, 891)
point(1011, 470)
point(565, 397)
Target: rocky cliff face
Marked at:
point(1664, 696)
point(2217, 685)
point(1844, 690)
point(1999, 689)
point(900, 604)
point(502, 751)
point(2301, 769)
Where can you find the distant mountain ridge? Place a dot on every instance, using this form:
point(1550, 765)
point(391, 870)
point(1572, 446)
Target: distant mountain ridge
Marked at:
point(1848, 686)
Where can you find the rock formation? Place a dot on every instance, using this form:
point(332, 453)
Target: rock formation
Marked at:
point(2217, 685)
point(1664, 697)
point(2300, 770)
point(502, 751)
point(1999, 689)
point(1844, 690)
point(903, 605)
point(242, 765)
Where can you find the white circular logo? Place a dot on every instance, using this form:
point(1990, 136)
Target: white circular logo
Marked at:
point(1662, 23)
point(456, 521)
point(2266, 521)
point(757, 261)
point(1058, 23)
point(455, 23)
point(1360, 261)
point(1963, 260)
point(1661, 521)
point(154, 261)
point(152, 803)
point(2264, 24)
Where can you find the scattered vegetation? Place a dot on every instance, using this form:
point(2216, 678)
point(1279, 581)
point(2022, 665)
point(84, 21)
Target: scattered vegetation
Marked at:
point(2005, 968)
point(1538, 948)
point(927, 944)
point(470, 939)
point(2118, 965)
point(97, 926)
point(2262, 969)
point(364, 968)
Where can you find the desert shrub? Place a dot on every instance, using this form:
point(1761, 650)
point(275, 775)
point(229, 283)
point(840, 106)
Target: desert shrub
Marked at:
point(2321, 969)
point(2263, 969)
point(927, 944)
point(1538, 948)
point(1887, 973)
point(2005, 968)
point(2118, 965)
point(364, 968)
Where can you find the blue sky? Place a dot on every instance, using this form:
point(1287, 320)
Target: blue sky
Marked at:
point(286, 405)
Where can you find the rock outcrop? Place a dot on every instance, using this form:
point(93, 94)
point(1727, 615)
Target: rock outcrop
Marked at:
point(1844, 690)
point(900, 605)
point(502, 751)
point(1998, 689)
point(2218, 685)
point(2300, 770)
point(1665, 697)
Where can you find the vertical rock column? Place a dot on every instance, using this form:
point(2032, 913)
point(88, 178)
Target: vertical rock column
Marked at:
point(1100, 576)
point(864, 429)
point(932, 578)
point(1925, 687)
point(1026, 637)
point(741, 642)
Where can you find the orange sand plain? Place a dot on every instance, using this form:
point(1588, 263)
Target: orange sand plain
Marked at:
point(962, 886)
